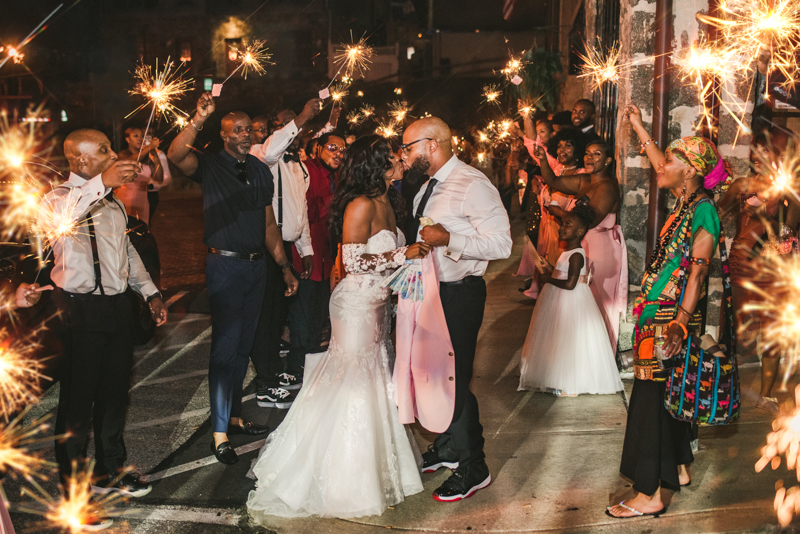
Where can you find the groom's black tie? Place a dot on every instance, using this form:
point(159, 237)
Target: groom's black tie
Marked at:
point(421, 208)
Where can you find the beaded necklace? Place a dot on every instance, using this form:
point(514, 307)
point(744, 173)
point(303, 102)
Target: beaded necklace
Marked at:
point(659, 256)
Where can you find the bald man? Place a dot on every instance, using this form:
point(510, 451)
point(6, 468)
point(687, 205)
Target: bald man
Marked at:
point(240, 228)
point(471, 229)
point(92, 267)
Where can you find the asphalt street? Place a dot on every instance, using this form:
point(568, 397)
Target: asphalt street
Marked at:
point(554, 461)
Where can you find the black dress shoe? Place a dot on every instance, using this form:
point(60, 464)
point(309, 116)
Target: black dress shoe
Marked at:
point(248, 429)
point(129, 486)
point(225, 453)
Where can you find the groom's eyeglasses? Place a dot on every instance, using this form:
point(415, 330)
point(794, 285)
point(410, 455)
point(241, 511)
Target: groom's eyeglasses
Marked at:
point(241, 167)
point(404, 147)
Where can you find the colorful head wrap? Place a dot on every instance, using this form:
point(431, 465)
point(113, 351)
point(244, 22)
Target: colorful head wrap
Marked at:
point(701, 154)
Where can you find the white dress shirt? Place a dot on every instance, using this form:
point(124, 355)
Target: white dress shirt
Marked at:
point(73, 265)
point(294, 184)
point(466, 203)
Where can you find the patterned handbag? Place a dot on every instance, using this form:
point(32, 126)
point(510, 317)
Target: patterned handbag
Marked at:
point(704, 385)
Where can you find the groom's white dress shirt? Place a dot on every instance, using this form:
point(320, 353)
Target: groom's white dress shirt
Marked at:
point(466, 203)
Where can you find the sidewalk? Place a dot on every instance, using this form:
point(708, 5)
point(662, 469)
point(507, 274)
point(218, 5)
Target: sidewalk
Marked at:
point(554, 462)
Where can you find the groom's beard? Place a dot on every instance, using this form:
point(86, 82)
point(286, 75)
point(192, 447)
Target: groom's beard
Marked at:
point(413, 176)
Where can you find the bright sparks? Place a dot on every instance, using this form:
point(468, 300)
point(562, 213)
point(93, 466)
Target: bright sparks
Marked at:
point(513, 67)
point(252, 57)
point(160, 87)
point(387, 130)
point(749, 26)
point(784, 441)
point(76, 507)
point(354, 58)
point(601, 67)
point(367, 111)
point(15, 441)
point(399, 111)
point(354, 118)
point(20, 374)
point(338, 92)
point(492, 93)
point(13, 54)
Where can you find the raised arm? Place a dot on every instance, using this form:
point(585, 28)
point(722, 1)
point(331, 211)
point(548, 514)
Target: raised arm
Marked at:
point(276, 144)
point(569, 185)
point(730, 200)
point(180, 151)
point(654, 153)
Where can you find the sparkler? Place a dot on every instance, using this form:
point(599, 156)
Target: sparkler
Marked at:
point(491, 93)
point(338, 92)
point(12, 53)
point(353, 58)
point(513, 68)
point(16, 56)
point(387, 130)
point(784, 440)
point(72, 511)
point(748, 26)
point(160, 88)
point(15, 440)
point(253, 56)
point(599, 66)
point(20, 373)
point(367, 111)
point(355, 118)
point(399, 111)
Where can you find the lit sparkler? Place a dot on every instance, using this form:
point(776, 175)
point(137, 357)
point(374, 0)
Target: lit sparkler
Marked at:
point(20, 373)
point(73, 510)
point(253, 56)
point(355, 118)
point(399, 111)
point(491, 93)
point(387, 130)
point(14, 52)
point(15, 441)
point(784, 440)
point(160, 87)
point(338, 92)
point(367, 111)
point(513, 67)
point(354, 58)
point(599, 66)
point(748, 26)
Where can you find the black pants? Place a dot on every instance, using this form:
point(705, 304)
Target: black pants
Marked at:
point(655, 442)
point(95, 373)
point(153, 200)
point(235, 295)
point(463, 306)
point(307, 313)
point(265, 354)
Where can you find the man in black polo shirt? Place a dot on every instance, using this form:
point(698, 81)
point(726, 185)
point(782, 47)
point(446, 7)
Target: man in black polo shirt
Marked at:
point(240, 228)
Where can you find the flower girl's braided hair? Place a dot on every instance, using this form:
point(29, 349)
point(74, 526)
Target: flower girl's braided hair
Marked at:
point(584, 213)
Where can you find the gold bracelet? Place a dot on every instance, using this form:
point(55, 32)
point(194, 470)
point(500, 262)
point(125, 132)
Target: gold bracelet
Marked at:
point(684, 310)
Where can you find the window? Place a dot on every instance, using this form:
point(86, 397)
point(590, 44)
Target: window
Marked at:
point(186, 51)
point(231, 48)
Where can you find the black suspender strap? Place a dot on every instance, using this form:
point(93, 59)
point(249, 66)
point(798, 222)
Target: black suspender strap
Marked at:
point(98, 281)
point(280, 198)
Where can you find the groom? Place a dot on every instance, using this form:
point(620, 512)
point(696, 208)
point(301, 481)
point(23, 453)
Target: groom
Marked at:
point(471, 228)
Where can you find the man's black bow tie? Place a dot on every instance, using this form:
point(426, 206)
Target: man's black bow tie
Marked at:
point(288, 156)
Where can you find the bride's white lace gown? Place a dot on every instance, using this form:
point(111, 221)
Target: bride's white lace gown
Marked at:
point(341, 450)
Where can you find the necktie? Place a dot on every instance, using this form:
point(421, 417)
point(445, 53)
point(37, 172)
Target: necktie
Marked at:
point(421, 208)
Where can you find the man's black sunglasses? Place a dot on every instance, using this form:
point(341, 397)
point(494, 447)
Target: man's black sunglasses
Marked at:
point(241, 166)
point(405, 146)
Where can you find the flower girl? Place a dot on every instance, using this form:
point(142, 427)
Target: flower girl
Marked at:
point(566, 351)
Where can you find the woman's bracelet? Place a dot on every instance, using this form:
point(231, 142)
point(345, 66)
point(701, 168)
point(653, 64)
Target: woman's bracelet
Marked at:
point(684, 310)
point(191, 121)
point(643, 146)
point(683, 327)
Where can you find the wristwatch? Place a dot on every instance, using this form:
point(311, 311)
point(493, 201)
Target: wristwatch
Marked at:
point(157, 294)
point(287, 265)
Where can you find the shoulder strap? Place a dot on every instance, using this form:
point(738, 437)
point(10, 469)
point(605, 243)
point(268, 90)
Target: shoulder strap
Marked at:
point(98, 281)
point(280, 197)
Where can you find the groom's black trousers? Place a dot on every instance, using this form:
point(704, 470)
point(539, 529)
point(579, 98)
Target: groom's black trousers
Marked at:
point(463, 303)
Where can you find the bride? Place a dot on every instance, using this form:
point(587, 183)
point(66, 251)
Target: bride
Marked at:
point(341, 450)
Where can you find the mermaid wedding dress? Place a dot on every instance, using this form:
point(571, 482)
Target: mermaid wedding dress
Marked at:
point(341, 450)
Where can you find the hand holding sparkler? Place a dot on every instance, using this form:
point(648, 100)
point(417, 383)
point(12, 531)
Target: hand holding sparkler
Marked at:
point(634, 116)
point(28, 295)
point(205, 107)
point(310, 110)
point(336, 110)
point(120, 172)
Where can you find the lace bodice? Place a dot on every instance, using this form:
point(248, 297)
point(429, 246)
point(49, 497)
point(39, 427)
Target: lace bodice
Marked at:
point(384, 250)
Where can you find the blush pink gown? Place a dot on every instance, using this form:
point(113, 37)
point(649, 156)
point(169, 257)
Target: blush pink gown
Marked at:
point(607, 257)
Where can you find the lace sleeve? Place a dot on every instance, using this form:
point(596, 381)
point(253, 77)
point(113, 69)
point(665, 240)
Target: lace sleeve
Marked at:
point(356, 261)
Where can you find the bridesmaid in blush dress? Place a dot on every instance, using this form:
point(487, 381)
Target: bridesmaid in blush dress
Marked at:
point(604, 243)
